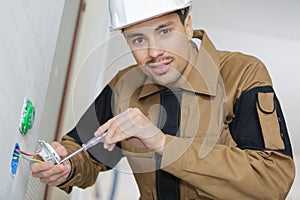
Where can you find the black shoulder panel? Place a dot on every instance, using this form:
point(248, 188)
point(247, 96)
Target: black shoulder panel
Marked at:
point(97, 114)
point(245, 128)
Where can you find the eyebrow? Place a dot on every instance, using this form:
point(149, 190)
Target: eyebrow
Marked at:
point(164, 25)
point(132, 35)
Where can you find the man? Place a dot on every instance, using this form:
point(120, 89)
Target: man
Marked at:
point(194, 122)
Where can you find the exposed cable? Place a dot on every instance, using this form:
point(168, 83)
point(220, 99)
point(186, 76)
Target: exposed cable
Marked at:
point(25, 156)
point(28, 154)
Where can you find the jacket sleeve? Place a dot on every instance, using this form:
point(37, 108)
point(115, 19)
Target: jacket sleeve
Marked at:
point(260, 166)
point(233, 173)
point(84, 170)
point(87, 164)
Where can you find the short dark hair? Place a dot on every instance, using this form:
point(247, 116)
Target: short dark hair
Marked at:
point(183, 13)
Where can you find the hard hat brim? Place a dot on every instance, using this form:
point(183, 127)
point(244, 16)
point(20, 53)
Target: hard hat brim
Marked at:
point(121, 27)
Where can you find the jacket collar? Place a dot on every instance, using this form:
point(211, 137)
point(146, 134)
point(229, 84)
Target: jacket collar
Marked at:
point(201, 78)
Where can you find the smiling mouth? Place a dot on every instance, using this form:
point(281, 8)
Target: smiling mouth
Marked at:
point(161, 66)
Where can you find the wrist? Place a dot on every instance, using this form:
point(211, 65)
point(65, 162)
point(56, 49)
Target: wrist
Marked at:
point(71, 173)
point(159, 148)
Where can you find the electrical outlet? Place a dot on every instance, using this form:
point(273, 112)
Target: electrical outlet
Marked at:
point(15, 160)
point(27, 117)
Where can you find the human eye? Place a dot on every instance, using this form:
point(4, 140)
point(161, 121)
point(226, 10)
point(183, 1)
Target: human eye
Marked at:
point(138, 40)
point(165, 31)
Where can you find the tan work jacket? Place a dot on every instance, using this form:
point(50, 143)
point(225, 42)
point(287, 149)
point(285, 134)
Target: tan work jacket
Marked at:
point(205, 157)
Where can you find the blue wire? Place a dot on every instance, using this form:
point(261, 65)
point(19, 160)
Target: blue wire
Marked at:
point(24, 157)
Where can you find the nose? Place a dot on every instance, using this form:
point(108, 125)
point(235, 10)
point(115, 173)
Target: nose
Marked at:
point(155, 50)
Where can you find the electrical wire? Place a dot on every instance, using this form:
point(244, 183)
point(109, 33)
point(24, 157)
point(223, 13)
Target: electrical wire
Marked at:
point(28, 158)
point(28, 154)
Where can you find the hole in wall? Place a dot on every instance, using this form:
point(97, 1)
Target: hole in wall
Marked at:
point(15, 160)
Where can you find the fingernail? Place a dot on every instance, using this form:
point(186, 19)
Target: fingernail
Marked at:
point(108, 141)
point(105, 146)
point(110, 148)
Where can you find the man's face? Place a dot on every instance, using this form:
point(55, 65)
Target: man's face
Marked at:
point(161, 46)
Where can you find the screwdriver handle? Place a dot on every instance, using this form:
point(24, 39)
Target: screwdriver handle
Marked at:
point(92, 142)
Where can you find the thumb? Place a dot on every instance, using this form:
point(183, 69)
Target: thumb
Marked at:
point(60, 149)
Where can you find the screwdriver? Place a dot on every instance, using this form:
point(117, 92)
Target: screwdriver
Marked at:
point(92, 142)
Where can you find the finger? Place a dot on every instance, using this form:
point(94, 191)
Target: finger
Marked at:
point(108, 144)
point(57, 178)
point(120, 136)
point(126, 127)
point(50, 172)
point(139, 119)
point(111, 131)
point(143, 128)
point(132, 128)
point(60, 149)
point(111, 147)
point(123, 124)
point(144, 132)
point(103, 128)
point(40, 167)
point(117, 125)
point(113, 123)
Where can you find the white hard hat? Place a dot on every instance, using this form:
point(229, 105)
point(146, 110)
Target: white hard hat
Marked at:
point(124, 13)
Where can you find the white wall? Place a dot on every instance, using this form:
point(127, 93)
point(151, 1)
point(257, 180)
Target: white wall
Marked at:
point(268, 29)
point(28, 35)
point(88, 76)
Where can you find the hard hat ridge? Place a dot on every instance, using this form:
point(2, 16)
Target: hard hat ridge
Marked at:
point(124, 13)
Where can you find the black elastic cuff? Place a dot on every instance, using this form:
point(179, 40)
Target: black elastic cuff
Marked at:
point(71, 175)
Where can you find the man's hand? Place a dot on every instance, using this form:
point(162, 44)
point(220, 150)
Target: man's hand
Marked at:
point(49, 173)
point(129, 125)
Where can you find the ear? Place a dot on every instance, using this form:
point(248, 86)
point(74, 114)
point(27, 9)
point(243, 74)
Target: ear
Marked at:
point(188, 27)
